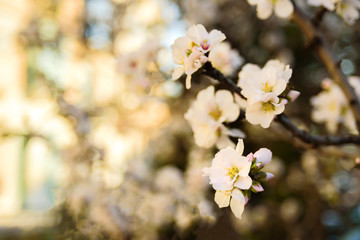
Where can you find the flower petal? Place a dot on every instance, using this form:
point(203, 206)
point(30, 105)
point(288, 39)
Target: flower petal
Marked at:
point(177, 73)
point(243, 182)
point(283, 8)
point(237, 203)
point(222, 199)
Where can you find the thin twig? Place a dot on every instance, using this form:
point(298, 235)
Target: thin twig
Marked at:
point(303, 135)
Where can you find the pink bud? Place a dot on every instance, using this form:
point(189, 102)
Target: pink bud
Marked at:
point(250, 156)
point(326, 83)
point(258, 165)
point(269, 176)
point(357, 160)
point(258, 188)
point(293, 95)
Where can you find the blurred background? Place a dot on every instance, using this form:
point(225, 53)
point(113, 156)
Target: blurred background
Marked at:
point(94, 144)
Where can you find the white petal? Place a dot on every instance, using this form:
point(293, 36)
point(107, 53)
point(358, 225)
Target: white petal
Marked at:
point(234, 132)
point(222, 199)
point(188, 82)
point(177, 73)
point(264, 9)
point(263, 155)
point(237, 204)
point(284, 8)
point(225, 100)
point(243, 182)
point(216, 37)
point(240, 146)
point(223, 142)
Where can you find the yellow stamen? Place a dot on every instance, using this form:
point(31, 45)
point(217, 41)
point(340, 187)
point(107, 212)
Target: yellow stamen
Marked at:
point(216, 113)
point(232, 172)
point(268, 106)
point(266, 87)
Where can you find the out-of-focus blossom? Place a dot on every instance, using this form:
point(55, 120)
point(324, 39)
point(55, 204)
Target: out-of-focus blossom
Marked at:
point(331, 108)
point(348, 10)
point(328, 4)
point(355, 83)
point(207, 115)
point(264, 8)
point(225, 59)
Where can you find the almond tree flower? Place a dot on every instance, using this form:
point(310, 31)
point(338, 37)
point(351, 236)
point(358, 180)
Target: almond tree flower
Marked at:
point(264, 8)
point(225, 59)
point(230, 169)
point(264, 112)
point(237, 203)
point(207, 115)
point(204, 40)
point(188, 56)
point(258, 84)
point(348, 10)
point(328, 4)
point(331, 107)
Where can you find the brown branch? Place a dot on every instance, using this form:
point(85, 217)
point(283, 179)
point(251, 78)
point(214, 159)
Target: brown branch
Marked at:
point(319, 43)
point(303, 135)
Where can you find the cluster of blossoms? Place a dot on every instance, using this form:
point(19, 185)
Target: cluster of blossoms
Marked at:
point(331, 106)
point(197, 47)
point(264, 8)
point(235, 176)
point(262, 89)
point(207, 115)
point(347, 9)
point(232, 175)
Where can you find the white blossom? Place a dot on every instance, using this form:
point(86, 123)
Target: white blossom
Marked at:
point(348, 10)
point(258, 84)
point(204, 40)
point(230, 169)
point(328, 4)
point(261, 88)
point(225, 59)
point(188, 57)
point(264, 112)
point(331, 108)
point(207, 115)
point(189, 51)
point(264, 8)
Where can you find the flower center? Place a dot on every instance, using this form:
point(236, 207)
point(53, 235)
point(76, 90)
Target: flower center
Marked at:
point(233, 172)
point(205, 45)
point(267, 107)
point(266, 87)
point(216, 113)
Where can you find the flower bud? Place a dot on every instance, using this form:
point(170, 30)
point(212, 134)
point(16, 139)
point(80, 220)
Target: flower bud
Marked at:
point(258, 188)
point(269, 176)
point(293, 95)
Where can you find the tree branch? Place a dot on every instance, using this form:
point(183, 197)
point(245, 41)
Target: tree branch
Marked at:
point(303, 135)
point(321, 47)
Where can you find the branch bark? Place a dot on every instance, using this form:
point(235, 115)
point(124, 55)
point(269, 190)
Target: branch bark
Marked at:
point(282, 119)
